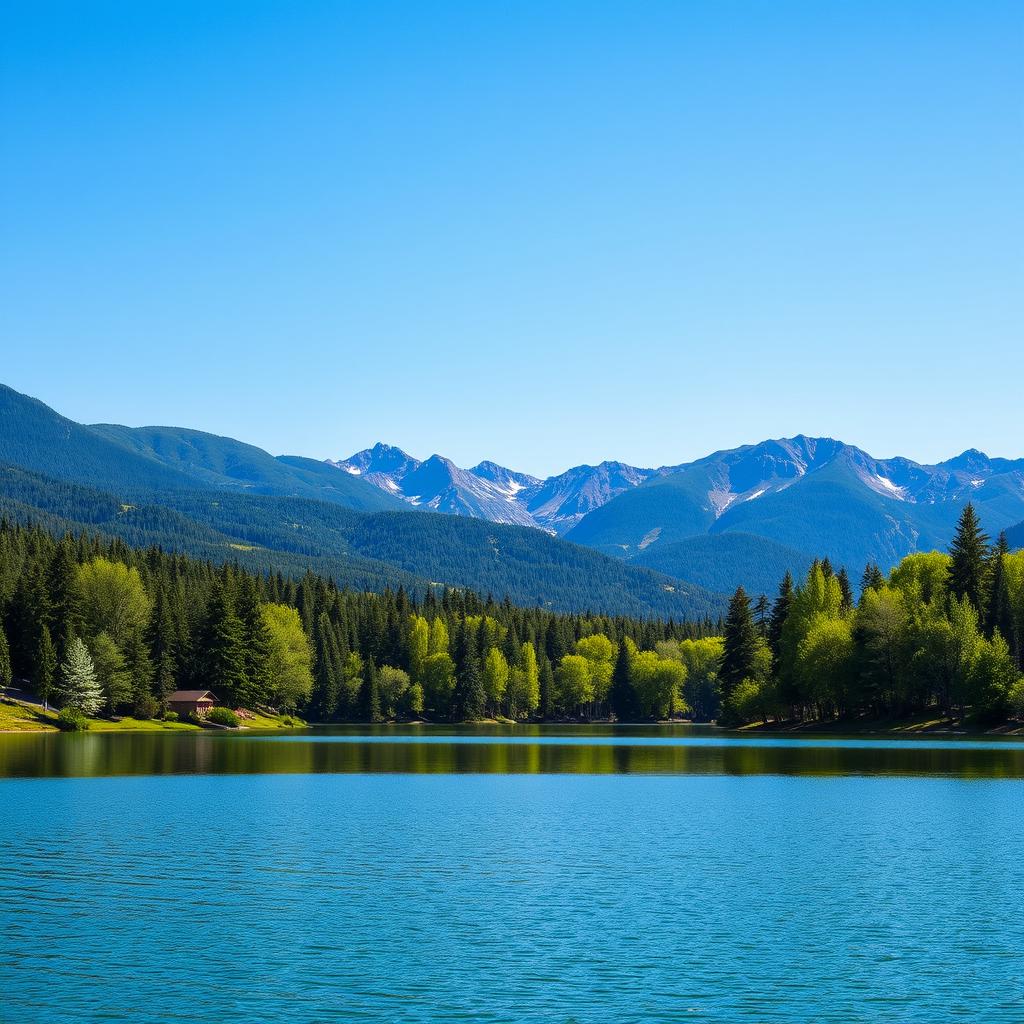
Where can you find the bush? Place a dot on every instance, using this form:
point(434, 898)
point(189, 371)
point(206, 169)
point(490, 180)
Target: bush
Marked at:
point(170, 716)
point(146, 706)
point(72, 720)
point(223, 716)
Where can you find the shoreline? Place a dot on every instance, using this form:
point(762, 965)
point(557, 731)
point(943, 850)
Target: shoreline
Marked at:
point(28, 718)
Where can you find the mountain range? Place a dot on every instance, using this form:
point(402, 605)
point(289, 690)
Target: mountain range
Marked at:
point(612, 537)
point(754, 508)
point(218, 498)
point(490, 491)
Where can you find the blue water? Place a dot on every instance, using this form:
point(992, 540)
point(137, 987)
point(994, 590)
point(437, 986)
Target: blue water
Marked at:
point(758, 896)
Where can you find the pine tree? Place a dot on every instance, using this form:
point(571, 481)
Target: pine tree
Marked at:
point(546, 683)
point(845, 589)
point(140, 671)
point(762, 614)
point(740, 645)
point(78, 686)
point(5, 660)
point(969, 552)
point(256, 644)
point(45, 666)
point(326, 671)
point(369, 695)
point(1000, 608)
point(470, 700)
point(160, 637)
point(872, 578)
point(622, 695)
point(65, 602)
point(780, 609)
point(224, 647)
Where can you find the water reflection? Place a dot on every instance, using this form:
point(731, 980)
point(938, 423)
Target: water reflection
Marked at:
point(586, 750)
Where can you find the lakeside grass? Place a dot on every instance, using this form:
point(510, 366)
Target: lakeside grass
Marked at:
point(16, 716)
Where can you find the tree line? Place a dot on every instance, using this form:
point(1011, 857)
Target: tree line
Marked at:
point(941, 633)
point(112, 628)
point(105, 627)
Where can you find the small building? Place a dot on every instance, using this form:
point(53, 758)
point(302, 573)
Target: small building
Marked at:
point(192, 702)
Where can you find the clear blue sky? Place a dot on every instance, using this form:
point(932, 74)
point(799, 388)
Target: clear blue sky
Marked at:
point(543, 233)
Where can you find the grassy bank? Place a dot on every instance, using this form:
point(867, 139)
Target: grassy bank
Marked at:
point(16, 716)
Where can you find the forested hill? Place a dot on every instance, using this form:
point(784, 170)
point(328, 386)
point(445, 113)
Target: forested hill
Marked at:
point(163, 459)
point(362, 551)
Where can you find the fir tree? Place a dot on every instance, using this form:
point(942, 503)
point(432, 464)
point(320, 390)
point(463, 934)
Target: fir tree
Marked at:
point(65, 603)
point(471, 699)
point(780, 609)
point(547, 687)
point(326, 671)
point(369, 694)
point(44, 668)
point(622, 694)
point(255, 690)
point(740, 646)
point(845, 589)
point(5, 660)
point(969, 564)
point(160, 636)
point(872, 579)
point(762, 614)
point(78, 686)
point(224, 646)
point(1000, 608)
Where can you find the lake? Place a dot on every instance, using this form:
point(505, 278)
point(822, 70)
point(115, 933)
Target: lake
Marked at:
point(556, 874)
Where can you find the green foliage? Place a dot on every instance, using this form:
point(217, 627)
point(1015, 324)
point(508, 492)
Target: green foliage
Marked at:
point(906, 647)
point(71, 719)
point(223, 716)
point(113, 599)
point(78, 687)
point(5, 660)
point(741, 644)
point(968, 559)
point(289, 655)
point(393, 685)
point(111, 672)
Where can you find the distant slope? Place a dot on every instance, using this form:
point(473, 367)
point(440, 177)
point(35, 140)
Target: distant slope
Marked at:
point(359, 550)
point(813, 494)
point(530, 566)
point(224, 463)
point(723, 561)
point(1015, 536)
point(35, 437)
point(61, 507)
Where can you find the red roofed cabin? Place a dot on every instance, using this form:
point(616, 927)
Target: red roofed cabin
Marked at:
point(192, 702)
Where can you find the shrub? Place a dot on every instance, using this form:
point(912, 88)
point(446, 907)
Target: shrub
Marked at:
point(223, 716)
point(170, 716)
point(72, 720)
point(146, 706)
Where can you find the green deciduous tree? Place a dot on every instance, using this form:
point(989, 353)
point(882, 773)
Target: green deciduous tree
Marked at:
point(112, 673)
point(289, 656)
point(113, 599)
